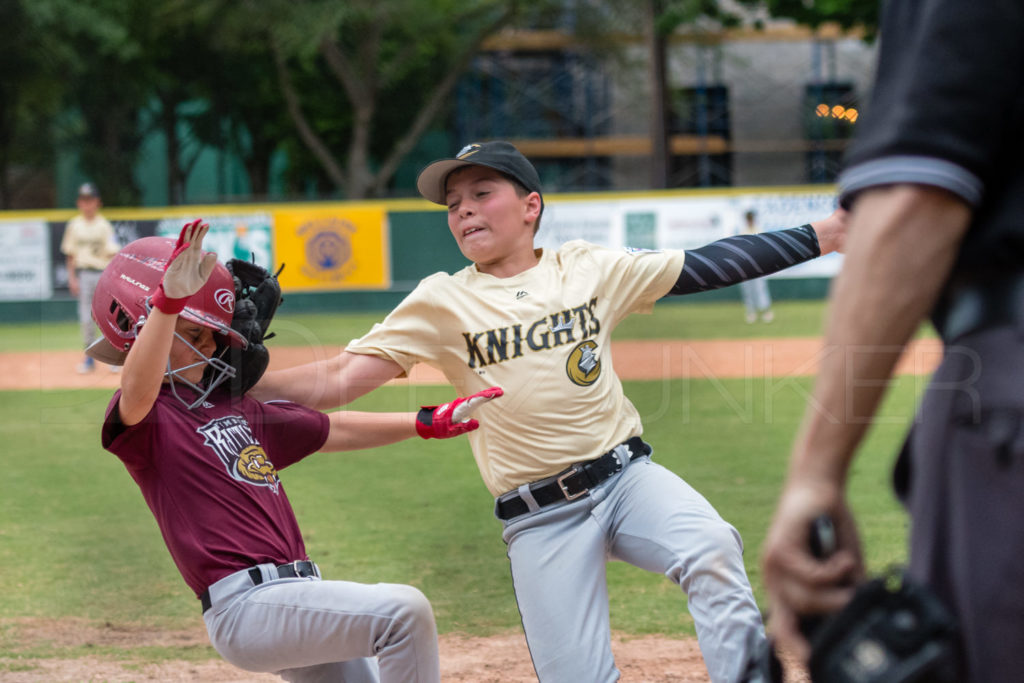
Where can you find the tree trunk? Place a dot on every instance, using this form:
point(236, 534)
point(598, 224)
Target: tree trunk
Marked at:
point(175, 175)
point(110, 160)
point(361, 90)
point(437, 99)
point(360, 179)
point(8, 119)
point(659, 98)
point(305, 130)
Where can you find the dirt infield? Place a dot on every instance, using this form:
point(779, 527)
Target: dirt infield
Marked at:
point(640, 360)
point(502, 658)
point(496, 659)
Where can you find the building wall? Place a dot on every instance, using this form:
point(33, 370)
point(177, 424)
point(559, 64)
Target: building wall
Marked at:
point(766, 74)
point(766, 81)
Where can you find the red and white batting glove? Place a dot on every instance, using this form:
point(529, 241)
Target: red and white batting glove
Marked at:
point(450, 419)
point(187, 269)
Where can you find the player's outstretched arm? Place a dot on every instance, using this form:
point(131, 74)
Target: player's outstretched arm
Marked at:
point(327, 384)
point(186, 272)
point(352, 431)
point(736, 259)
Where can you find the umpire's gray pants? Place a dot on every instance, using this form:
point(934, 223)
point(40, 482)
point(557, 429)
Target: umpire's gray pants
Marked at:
point(649, 517)
point(87, 281)
point(967, 512)
point(309, 630)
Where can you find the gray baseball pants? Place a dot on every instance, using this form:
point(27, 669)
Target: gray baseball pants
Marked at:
point(756, 298)
point(87, 281)
point(310, 630)
point(649, 517)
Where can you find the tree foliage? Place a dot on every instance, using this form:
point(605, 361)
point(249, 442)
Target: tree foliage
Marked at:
point(26, 88)
point(392, 62)
point(846, 13)
point(347, 89)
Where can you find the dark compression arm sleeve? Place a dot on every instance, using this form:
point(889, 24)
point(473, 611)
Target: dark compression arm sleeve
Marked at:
point(735, 259)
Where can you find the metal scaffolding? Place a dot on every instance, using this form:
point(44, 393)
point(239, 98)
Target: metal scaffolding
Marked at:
point(746, 108)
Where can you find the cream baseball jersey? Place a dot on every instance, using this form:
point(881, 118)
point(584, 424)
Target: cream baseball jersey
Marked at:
point(544, 337)
point(90, 242)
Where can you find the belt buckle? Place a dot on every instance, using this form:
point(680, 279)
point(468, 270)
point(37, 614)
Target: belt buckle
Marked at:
point(294, 567)
point(565, 490)
point(620, 461)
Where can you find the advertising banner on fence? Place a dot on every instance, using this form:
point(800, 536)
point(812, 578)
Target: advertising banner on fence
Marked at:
point(685, 222)
point(24, 261)
point(234, 235)
point(125, 231)
point(333, 247)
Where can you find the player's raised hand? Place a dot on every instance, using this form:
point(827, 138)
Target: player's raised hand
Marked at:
point(187, 269)
point(831, 231)
point(452, 419)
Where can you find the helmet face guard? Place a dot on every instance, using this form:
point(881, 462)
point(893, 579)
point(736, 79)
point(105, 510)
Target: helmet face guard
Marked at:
point(121, 305)
point(216, 373)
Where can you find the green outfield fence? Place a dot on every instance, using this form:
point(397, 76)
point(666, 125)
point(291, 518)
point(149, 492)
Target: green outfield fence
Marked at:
point(418, 244)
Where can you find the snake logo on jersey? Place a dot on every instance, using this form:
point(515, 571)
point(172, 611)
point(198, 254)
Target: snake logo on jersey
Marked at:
point(232, 440)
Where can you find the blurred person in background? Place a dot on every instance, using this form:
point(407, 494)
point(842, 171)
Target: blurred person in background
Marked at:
point(756, 297)
point(88, 246)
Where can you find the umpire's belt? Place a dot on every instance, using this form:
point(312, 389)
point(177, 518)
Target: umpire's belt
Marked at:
point(970, 306)
point(572, 483)
point(266, 572)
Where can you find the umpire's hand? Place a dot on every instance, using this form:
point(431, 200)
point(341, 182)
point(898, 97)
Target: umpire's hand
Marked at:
point(799, 584)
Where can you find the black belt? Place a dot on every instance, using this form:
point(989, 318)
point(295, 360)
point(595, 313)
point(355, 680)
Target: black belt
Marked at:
point(968, 307)
point(571, 483)
point(300, 569)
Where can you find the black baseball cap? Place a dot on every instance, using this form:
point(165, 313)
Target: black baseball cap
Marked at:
point(88, 190)
point(501, 156)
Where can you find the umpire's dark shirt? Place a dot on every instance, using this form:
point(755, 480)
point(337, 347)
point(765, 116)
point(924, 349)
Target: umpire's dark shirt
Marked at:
point(948, 111)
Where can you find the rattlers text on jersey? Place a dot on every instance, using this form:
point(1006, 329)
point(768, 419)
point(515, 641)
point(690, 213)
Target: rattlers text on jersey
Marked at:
point(544, 337)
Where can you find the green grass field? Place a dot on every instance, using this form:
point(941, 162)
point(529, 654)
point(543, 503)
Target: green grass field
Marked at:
point(76, 539)
point(671, 320)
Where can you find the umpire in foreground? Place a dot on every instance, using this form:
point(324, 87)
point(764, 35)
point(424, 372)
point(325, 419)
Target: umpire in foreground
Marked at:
point(935, 183)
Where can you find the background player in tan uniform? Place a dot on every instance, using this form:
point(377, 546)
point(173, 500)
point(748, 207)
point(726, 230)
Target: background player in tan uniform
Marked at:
point(88, 245)
point(573, 481)
point(757, 298)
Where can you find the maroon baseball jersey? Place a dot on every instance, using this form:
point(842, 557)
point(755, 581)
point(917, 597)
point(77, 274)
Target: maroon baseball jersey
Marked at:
point(210, 477)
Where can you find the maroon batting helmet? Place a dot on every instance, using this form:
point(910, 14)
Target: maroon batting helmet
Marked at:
point(121, 303)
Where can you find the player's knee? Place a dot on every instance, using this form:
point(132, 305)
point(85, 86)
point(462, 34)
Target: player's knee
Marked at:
point(413, 606)
point(725, 538)
point(719, 557)
point(238, 651)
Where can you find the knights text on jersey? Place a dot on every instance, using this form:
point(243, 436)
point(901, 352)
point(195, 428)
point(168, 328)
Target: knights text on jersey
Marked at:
point(544, 337)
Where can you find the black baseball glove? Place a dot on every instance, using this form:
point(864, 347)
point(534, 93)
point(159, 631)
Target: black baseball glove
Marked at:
point(257, 296)
point(895, 630)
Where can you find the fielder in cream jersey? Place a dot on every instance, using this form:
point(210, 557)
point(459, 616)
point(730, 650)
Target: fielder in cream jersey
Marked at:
point(573, 481)
point(544, 336)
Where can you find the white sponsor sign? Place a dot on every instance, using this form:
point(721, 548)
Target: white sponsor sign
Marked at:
point(24, 261)
point(592, 221)
point(684, 222)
